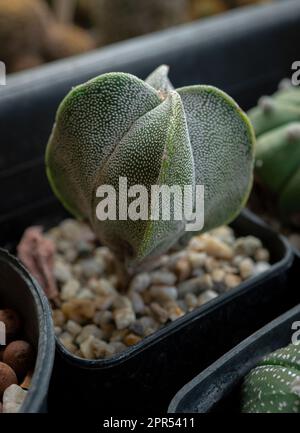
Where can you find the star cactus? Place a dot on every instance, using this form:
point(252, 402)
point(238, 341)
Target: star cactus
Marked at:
point(117, 125)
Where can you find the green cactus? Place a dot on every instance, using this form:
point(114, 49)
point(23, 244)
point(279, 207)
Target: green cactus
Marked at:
point(276, 121)
point(271, 386)
point(117, 125)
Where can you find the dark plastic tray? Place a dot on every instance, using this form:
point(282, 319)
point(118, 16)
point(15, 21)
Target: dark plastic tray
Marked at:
point(217, 389)
point(20, 292)
point(145, 376)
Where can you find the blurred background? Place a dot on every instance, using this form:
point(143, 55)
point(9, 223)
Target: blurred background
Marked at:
point(33, 32)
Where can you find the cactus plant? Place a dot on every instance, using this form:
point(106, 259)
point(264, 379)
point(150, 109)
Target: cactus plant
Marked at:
point(271, 387)
point(122, 19)
point(118, 125)
point(276, 121)
point(30, 35)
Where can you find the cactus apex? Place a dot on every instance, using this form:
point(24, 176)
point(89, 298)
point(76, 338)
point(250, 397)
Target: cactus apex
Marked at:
point(293, 132)
point(266, 104)
point(285, 84)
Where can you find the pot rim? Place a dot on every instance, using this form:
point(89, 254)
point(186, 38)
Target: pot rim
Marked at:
point(171, 328)
point(46, 342)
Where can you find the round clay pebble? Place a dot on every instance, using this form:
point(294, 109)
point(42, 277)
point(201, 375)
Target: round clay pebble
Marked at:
point(19, 356)
point(12, 323)
point(7, 377)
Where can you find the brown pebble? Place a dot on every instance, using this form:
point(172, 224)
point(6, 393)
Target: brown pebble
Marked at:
point(59, 318)
point(262, 255)
point(19, 355)
point(79, 310)
point(12, 323)
point(131, 339)
point(7, 377)
point(232, 280)
point(160, 313)
point(183, 269)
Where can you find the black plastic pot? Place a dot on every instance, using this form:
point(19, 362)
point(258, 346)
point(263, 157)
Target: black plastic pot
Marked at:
point(145, 376)
point(19, 291)
point(217, 389)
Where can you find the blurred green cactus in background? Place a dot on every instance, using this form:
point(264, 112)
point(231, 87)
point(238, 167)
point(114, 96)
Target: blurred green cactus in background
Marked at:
point(276, 121)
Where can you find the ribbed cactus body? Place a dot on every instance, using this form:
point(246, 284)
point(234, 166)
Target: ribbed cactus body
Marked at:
point(117, 125)
point(269, 388)
point(276, 121)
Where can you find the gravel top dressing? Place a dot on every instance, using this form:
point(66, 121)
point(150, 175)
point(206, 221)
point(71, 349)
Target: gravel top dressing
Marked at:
point(94, 320)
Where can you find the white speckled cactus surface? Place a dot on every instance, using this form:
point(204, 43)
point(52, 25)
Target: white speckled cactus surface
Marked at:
point(118, 125)
point(273, 386)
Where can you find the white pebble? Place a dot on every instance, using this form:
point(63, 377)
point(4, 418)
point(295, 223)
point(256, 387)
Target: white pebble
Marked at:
point(13, 399)
point(246, 268)
point(69, 290)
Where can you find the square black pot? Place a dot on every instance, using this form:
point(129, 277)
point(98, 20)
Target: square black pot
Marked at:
point(218, 388)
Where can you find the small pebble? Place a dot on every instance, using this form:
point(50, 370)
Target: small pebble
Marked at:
point(117, 346)
point(212, 246)
point(13, 399)
point(246, 268)
point(159, 312)
point(69, 290)
point(132, 339)
point(261, 267)
point(183, 269)
point(7, 377)
point(195, 285)
point(124, 317)
point(191, 301)
point(247, 246)
point(232, 280)
point(137, 328)
point(163, 293)
point(79, 310)
point(92, 268)
point(162, 278)
point(57, 331)
point(118, 335)
point(66, 338)
point(140, 282)
point(197, 260)
point(62, 272)
point(206, 297)
point(87, 347)
point(19, 355)
point(262, 255)
point(218, 275)
point(87, 331)
point(73, 328)
point(174, 311)
point(138, 304)
point(58, 318)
